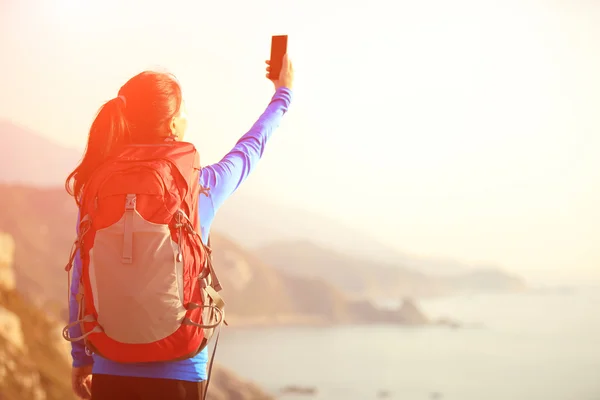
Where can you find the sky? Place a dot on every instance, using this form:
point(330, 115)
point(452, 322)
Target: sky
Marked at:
point(464, 129)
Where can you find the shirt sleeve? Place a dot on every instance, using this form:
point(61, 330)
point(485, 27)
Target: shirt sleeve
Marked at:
point(224, 177)
point(80, 358)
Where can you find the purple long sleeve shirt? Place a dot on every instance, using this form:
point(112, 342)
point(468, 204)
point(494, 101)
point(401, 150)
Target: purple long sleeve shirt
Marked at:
point(223, 178)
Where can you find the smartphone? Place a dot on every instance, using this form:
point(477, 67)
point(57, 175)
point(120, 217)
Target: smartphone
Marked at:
point(278, 49)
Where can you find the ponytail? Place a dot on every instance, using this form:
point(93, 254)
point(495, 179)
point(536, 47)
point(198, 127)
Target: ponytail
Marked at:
point(108, 132)
point(141, 113)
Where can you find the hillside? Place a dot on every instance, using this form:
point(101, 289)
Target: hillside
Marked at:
point(369, 279)
point(258, 294)
point(42, 222)
point(35, 360)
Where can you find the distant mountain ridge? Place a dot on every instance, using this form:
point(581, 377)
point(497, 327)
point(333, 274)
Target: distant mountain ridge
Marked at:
point(258, 222)
point(28, 158)
point(376, 281)
point(34, 160)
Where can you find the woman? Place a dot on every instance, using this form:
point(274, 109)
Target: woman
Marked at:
point(148, 109)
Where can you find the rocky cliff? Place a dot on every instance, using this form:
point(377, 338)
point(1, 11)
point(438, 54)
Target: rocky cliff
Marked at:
point(35, 360)
point(7, 250)
point(33, 365)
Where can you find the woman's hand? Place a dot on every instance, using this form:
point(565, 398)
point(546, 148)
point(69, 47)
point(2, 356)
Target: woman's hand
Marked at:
point(81, 381)
point(286, 75)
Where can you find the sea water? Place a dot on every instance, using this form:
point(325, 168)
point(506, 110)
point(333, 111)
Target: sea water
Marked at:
point(534, 346)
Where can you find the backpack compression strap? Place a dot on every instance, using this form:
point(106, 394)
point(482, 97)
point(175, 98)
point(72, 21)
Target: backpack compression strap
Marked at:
point(212, 357)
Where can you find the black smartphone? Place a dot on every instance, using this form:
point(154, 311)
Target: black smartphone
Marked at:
point(278, 50)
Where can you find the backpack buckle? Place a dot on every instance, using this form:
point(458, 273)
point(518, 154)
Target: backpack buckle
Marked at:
point(130, 201)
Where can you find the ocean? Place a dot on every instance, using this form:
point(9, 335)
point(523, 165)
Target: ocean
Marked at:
point(533, 346)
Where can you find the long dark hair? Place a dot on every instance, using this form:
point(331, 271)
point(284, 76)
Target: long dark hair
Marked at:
point(141, 113)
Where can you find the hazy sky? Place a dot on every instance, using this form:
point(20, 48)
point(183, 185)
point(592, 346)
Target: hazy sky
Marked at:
point(464, 129)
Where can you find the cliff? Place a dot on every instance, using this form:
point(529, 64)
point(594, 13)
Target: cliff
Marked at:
point(33, 363)
point(7, 274)
point(35, 360)
point(258, 294)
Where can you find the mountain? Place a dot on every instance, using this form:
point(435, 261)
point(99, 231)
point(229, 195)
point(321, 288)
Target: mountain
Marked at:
point(486, 280)
point(35, 360)
point(258, 222)
point(258, 294)
point(359, 278)
point(31, 155)
point(41, 221)
point(377, 281)
point(29, 158)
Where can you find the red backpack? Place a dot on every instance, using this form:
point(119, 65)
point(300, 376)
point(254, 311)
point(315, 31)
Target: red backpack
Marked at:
point(148, 291)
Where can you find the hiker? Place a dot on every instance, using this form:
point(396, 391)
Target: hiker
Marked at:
point(141, 131)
